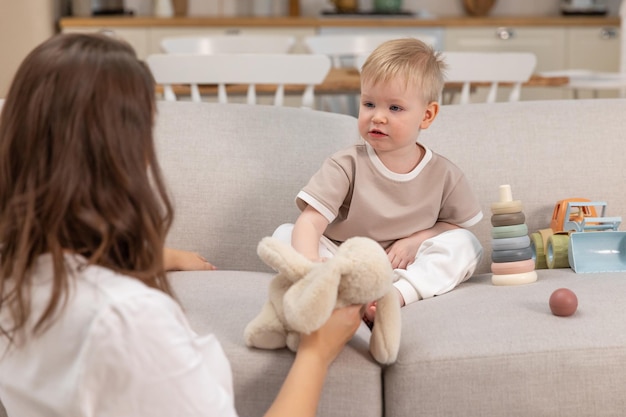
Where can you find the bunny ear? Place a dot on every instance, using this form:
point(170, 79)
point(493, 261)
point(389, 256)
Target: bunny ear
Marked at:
point(310, 302)
point(385, 340)
point(283, 258)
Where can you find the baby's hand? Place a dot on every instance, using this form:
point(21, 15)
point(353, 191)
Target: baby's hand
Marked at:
point(180, 260)
point(402, 253)
point(369, 314)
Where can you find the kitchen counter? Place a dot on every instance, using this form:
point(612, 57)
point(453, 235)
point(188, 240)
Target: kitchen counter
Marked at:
point(336, 21)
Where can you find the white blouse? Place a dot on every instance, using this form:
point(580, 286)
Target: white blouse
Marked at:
point(118, 348)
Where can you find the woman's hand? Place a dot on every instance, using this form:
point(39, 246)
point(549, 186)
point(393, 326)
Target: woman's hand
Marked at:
point(301, 391)
point(326, 342)
point(181, 260)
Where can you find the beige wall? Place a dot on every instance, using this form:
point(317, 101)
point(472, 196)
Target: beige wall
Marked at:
point(23, 25)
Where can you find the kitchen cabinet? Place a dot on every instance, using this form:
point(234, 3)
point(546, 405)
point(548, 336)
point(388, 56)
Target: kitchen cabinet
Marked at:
point(437, 33)
point(138, 37)
point(596, 49)
point(147, 40)
point(156, 34)
point(547, 43)
point(593, 48)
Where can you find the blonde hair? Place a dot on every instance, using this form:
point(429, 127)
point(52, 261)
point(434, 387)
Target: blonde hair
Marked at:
point(415, 61)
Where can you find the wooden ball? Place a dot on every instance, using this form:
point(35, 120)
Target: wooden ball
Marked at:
point(563, 302)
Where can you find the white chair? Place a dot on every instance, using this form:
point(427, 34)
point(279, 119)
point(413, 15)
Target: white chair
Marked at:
point(223, 44)
point(344, 50)
point(489, 67)
point(250, 69)
point(595, 81)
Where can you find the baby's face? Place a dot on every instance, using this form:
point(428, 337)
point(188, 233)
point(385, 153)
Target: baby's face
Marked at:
point(392, 113)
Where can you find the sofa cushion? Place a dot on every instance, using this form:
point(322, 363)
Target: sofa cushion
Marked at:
point(224, 302)
point(234, 171)
point(492, 351)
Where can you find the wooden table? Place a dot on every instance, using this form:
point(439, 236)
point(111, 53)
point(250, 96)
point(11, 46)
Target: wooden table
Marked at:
point(347, 81)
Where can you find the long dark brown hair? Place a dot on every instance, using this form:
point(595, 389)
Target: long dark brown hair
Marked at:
point(78, 171)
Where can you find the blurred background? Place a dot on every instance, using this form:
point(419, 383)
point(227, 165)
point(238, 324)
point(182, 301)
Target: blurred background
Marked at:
point(25, 23)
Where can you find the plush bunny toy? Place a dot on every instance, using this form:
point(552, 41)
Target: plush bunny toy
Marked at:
point(303, 294)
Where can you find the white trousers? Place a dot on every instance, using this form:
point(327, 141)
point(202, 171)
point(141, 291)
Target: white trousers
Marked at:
point(441, 263)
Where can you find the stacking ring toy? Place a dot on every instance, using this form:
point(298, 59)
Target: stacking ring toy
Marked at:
point(512, 255)
point(502, 232)
point(506, 268)
point(508, 219)
point(519, 242)
point(514, 279)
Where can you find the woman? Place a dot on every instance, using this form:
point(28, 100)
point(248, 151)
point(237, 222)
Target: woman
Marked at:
point(88, 323)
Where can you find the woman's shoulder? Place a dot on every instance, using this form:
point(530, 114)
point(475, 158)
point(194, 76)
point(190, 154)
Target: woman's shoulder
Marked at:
point(98, 294)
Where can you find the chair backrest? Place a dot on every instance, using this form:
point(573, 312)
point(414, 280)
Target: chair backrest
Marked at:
point(492, 68)
point(225, 44)
point(306, 70)
point(345, 48)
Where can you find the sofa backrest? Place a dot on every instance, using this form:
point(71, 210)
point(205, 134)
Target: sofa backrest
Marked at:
point(546, 151)
point(234, 171)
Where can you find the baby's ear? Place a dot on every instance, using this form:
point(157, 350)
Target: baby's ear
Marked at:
point(432, 110)
point(309, 302)
point(281, 257)
point(385, 340)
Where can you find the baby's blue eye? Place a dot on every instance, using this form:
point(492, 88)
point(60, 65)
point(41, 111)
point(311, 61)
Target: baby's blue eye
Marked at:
point(367, 104)
point(395, 108)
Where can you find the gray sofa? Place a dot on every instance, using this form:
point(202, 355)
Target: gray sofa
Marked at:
point(481, 350)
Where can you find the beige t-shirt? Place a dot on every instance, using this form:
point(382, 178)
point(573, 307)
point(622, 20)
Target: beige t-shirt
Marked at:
point(359, 196)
